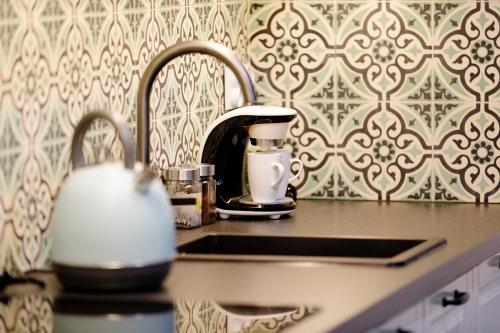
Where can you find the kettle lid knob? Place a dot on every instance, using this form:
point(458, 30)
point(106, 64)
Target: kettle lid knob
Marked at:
point(143, 179)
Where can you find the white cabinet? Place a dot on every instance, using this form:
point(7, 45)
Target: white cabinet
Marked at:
point(469, 304)
point(488, 298)
point(411, 320)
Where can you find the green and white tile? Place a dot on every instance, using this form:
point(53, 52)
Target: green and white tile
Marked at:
point(319, 84)
point(231, 28)
point(133, 5)
point(311, 139)
point(417, 184)
point(467, 146)
point(417, 85)
point(448, 17)
point(447, 185)
point(494, 98)
point(351, 184)
point(448, 87)
point(290, 44)
point(169, 21)
point(320, 182)
point(350, 17)
point(166, 141)
point(471, 53)
point(351, 85)
point(207, 116)
point(208, 83)
point(52, 144)
point(90, 7)
point(417, 16)
point(448, 117)
point(380, 43)
point(159, 4)
point(200, 2)
point(385, 143)
point(13, 153)
point(31, 218)
point(351, 116)
point(203, 21)
point(417, 118)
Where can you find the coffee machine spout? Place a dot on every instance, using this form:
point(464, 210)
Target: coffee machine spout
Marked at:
point(158, 62)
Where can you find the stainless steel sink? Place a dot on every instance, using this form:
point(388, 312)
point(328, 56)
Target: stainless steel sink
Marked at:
point(375, 251)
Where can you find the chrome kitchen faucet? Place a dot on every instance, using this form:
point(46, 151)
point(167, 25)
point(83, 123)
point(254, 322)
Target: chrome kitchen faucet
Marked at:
point(151, 72)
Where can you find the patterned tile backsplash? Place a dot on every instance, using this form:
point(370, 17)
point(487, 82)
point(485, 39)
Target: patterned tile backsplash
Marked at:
point(397, 100)
point(62, 58)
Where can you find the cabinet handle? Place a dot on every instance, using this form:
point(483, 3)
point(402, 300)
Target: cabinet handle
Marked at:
point(494, 262)
point(459, 298)
point(402, 330)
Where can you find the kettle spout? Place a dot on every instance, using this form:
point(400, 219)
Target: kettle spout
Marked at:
point(143, 179)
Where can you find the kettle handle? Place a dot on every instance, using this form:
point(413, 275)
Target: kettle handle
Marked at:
point(124, 135)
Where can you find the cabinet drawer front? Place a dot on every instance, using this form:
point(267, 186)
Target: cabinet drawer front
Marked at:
point(410, 320)
point(489, 270)
point(434, 306)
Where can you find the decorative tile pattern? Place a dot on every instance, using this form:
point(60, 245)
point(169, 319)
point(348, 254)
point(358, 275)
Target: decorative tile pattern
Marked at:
point(198, 316)
point(28, 313)
point(208, 316)
point(311, 141)
point(61, 59)
point(409, 90)
point(290, 42)
point(35, 313)
point(397, 100)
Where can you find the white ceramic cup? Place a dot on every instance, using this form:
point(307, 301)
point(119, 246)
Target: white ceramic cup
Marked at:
point(268, 174)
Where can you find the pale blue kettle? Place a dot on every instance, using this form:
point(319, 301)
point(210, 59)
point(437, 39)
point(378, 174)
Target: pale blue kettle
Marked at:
point(113, 227)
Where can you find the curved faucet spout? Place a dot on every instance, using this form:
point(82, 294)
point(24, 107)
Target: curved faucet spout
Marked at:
point(194, 46)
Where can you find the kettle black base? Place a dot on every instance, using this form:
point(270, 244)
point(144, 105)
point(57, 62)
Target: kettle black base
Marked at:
point(112, 279)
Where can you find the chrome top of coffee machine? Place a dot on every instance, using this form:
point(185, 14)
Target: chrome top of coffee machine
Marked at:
point(225, 145)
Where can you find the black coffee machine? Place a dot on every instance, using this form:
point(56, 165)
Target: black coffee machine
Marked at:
point(225, 145)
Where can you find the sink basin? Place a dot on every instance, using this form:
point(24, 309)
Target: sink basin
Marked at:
point(376, 251)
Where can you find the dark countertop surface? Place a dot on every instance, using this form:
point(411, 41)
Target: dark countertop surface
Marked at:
point(351, 298)
point(370, 294)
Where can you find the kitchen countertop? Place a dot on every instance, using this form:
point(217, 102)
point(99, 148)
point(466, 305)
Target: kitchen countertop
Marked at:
point(351, 298)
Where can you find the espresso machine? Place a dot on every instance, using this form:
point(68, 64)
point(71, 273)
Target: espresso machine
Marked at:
point(225, 145)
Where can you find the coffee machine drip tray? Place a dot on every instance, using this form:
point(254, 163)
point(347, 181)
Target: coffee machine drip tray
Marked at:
point(244, 206)
point(247, 200)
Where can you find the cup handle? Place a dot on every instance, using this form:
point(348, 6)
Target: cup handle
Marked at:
point(296, 160)
point(281, 174)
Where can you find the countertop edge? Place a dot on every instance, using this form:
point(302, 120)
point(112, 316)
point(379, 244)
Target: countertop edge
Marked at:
point(420, 288)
